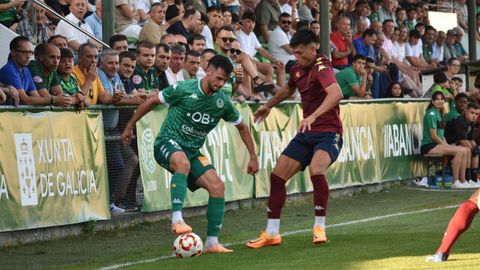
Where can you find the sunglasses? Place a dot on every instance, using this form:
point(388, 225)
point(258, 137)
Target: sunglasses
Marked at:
point(286, 22)
point(229, 39)
point(235, 51)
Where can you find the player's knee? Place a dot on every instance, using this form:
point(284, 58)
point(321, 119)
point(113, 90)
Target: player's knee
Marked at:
point(181, 166)
point(216, 189)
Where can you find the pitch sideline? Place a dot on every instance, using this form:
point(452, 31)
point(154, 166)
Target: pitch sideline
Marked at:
point(120, 265)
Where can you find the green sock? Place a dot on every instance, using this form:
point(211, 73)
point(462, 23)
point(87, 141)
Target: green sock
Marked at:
point(178, 189)
point(215, 210)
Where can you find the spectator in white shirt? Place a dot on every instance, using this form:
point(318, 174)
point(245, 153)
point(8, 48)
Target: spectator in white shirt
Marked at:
point(78, 9)
point(174, 71)
point(413, 51)
point(438, 46)
point(250, 45)
point(279, 43)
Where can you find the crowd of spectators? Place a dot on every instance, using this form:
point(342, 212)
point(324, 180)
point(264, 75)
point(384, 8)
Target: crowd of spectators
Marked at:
point(378, 49)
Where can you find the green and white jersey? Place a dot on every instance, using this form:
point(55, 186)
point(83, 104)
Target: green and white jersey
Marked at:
point(192, 114)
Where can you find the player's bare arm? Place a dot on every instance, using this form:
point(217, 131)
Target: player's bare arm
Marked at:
point(334, 95)
point(143, 109)
point(253, 166)
point(263, 111)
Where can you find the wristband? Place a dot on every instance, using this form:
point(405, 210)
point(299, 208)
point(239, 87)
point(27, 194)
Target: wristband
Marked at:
point(51, 100)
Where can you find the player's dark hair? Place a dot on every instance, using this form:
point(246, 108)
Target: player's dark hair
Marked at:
point(303, 36)
point(41, 49)
point(369, 60)
point(220, 61)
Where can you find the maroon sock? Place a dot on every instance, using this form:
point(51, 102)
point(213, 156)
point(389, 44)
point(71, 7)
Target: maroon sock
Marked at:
point(458, 224)
point(278, 195)
point(320, 194)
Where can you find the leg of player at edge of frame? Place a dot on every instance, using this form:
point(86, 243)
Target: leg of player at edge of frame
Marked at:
point(215, 210)
point(178, 189)
point(459, 223)
point(286, 168)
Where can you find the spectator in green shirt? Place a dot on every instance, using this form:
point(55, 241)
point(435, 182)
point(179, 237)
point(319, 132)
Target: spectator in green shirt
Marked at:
point(441, 84)
point(67, 81)
point(8, 13)
point(461, 101)
point(434, 143)
point(353, 79)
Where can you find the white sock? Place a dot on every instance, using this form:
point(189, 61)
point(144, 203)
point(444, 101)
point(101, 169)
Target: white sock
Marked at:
point(319, 221)
point(176, 216)
point(273, 226)
point(211, 241)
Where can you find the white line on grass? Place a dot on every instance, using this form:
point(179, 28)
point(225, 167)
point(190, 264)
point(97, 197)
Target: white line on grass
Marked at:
point(121, 265)
point(443, 190)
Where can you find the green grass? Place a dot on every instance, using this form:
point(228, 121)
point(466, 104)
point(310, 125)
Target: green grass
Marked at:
point(400, 242)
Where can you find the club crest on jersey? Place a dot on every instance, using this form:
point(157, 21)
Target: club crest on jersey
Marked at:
point(220, 103)
point(137, 79)
point(37, 79)
point(319, 63)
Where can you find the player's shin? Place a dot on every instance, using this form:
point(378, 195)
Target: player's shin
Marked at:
point(320, 198)
point(178, 190)
point(458, 224)
point(215, 211)
point(278, 195)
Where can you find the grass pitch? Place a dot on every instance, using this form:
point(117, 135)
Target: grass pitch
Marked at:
point(365, 233)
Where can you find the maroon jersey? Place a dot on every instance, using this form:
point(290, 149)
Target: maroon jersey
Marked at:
point(311, 82)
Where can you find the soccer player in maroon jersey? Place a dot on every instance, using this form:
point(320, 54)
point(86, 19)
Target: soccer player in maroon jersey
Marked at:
point(459, 223)
point(319, 139)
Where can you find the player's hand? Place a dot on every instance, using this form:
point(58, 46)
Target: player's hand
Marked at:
point(253, 166)
point(127, 136)
point(261, 113)
point(306, 124)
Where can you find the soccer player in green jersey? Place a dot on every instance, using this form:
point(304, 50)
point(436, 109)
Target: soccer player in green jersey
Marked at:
point(195, 108)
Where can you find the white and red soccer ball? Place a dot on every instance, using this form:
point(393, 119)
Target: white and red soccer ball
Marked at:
point(188, 245)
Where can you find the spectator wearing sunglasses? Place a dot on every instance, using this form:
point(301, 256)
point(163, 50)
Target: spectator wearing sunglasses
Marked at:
point(279, 43)
point(224, 40)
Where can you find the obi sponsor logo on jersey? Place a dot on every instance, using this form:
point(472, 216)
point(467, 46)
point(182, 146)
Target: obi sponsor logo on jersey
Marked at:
point(203, 118)
point(47, 168)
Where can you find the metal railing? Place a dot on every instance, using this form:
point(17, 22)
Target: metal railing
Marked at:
point(46, 7)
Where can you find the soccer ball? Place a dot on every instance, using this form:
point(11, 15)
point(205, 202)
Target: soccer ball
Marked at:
point(188, 245)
